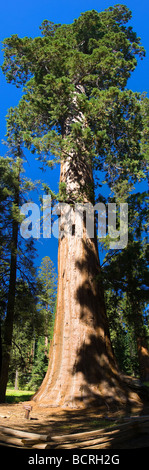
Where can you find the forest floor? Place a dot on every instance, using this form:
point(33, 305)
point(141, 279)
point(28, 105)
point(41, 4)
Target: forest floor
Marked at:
point(56, 421)
point(59, 421)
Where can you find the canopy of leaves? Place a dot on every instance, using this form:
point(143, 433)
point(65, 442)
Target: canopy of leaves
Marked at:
point(91, 59)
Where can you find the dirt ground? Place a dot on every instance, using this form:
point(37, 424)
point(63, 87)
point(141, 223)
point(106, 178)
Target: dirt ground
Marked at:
point(58, 421)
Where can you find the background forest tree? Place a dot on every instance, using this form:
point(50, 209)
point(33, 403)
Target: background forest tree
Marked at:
point(33, 328)
point(15, 255)
point(77, 110)
point(22, 322)
point(128, 294)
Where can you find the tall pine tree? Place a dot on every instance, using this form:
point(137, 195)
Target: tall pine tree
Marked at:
point(12, 190)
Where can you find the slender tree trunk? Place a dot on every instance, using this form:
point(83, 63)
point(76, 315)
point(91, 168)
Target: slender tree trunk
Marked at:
point(33, 351)
point(8, 328)
point(46, 330)
point(16, 379)
point(46, 345)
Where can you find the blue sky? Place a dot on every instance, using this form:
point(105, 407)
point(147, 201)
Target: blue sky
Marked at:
point(24, 18)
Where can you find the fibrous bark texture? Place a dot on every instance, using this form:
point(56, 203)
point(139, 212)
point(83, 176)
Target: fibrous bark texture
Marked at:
point(82, 368)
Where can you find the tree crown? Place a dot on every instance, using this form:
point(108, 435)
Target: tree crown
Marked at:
point(91, 60)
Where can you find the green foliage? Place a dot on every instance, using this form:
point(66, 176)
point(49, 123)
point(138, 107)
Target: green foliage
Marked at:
point(13, 190)
point(121, 333)
point(25, 329)
point(62, 191)
point(48, 28)
point(127, 292)
point(33, 327)
point(16, 255)
point(40, 365)
point(93, 57)
point(47, 294)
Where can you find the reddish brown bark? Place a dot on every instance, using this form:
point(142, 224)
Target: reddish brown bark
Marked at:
point(82, 367)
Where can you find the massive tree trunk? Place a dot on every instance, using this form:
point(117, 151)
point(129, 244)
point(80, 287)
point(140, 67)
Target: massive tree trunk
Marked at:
point(82, 368)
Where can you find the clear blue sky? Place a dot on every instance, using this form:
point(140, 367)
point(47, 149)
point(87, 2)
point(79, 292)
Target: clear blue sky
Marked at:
point(25, 17)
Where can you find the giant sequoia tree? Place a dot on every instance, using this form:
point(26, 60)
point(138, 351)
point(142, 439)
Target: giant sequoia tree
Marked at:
point(76, 110)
